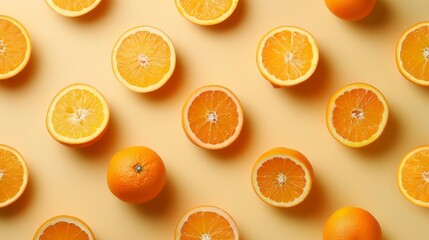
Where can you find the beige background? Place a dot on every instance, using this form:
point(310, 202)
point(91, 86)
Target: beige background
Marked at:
point(73, 181)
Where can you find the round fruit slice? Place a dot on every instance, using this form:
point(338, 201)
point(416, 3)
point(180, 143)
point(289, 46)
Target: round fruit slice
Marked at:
point(15, 47)
point(357, 115)
point(412, 54)
point(143, 59)
point(212, 117)
point(13, 175)
point(73, 8)
point(206, 222)
point(413, 176)
point(78, 115)
point(206, 12)
point(65, 228)
point(287, 56)
point(282, 177)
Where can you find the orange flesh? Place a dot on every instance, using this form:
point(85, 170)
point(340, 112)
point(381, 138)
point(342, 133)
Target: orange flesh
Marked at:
point(11, 175)
point(357, 114)
point(213, 117)
point(64, 231)
point(143, 58)
point(75, 5)
point(415, 53)
point(281, 179)
point(415, 176)
point(287, 55)
point(206, 225)
point(206, 9)
point(13, 46)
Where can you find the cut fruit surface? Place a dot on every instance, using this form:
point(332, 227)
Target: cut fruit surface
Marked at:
point(212, 117)
point(206, 223)
point(287, 56)
point(15, 47)
point(72, 8)
point(13, 175)
point(412, 54)
point(64, 228)
point(206, 12)
point(413, 176)
point(282, 177)
point(78, 115)
point(357, 114)
point(143, 59)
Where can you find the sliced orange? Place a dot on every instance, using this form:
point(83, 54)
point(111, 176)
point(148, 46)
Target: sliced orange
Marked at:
point(412, 54)
point(287, 56)
point(64, 228)
point(282, 177)
point(73, 8)
point(13, 175)
point(206, 223)
point(143, 59)
point(206, 12)
point(78, 115)
point(357, 115)
point(413, 176)
point(15, 47)
point(212, 117)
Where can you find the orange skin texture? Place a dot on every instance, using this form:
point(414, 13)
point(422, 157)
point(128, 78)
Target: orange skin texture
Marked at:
point(350, 10)
point(351, 223)
point(136, 174)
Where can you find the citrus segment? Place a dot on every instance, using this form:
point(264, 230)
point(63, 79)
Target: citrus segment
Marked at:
point(72, 8)
point(287, 56)
point(13, 175)
point(357, 114)
point(64, 228)
point(143, 59)
point(206, 222)
point(212, 117)
point(282, 177)
point(412, 54)
point(413, 176)
point(206, 12)
point(15, 47)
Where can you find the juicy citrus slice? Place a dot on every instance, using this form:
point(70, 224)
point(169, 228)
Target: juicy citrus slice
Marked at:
point(13, 175)
point(287, 56)
point(143, 59)
point(72, 8)
point(15, 47)
point(206, 12)
point(412, 54)
point(357, 114)
point(206, 222)
point(282, 177)
point(65, 228)
point(78, 115)
point(413, 176)
point(212, 117)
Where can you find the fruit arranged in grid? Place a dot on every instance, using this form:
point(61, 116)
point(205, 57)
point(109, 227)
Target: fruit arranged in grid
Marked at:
point(413, 176)
point(282, 177)
point(206, 222)
point(136, 174)
point(78, 115)
point(13, 175)
point(357, 115)
point(287, 56)
point(212, 117)
point(72, 8)
point(65, 228)
point(206, 12)
point(143, 59)
point(350, 223)
point(351, 10)
point(15, 47)
point(412, 54)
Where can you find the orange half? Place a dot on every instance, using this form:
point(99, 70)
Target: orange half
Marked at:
point(206, 12)
point(65, 228)
point(72, 8)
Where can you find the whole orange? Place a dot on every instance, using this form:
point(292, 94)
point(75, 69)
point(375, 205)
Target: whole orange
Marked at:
point(350, 223)
point(350, 10)
point(136, 174)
